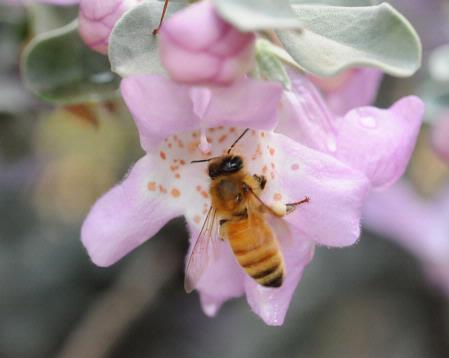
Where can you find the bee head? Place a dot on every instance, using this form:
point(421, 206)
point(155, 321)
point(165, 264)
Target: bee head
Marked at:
point(225, 165)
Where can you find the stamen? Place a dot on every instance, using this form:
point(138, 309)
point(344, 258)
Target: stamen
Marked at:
point(164, 10)
point(204, 145)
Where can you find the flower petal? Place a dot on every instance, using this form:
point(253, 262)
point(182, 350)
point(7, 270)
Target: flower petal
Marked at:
point(271, 304)
point(223, 278)
point(218, 54)
point(305, 116)
point(97, 18)
point(336, 192)
point(380, 142)
point(127, 215)
point(357, 88)
point(162, 107)
point(377, 142)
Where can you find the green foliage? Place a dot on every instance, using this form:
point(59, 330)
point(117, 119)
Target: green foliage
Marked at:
point(58, 67)
point(254, 15)
point(335, 38)
point(133, 49)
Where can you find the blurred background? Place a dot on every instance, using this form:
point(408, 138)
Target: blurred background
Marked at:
point(375, 299)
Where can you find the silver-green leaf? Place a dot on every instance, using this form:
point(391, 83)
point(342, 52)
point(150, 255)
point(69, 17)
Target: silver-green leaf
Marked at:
point(133, 49)
point(58, 67)
point(335, 38)
point(337, 2)
point(254, 15)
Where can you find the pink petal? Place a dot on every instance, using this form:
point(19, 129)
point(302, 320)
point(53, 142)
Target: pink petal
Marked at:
point(218, 54)
point(380, 142)
point(222, 280)
point(127, 215)
point(97, 18)
point(305, 117)
point(358, 88)
point(183, 26)
point(377, 142)
point(271, 304)
point(336, 192)
point(161, 107)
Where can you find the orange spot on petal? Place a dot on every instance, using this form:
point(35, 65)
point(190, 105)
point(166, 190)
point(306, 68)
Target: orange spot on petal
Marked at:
point(277, 196)
point(151, 186)
point(272, 151)
point(163, 155)
point(175, 193)
point(295, 166)
point(197, 219)
point(222, 138)
point(205, 194)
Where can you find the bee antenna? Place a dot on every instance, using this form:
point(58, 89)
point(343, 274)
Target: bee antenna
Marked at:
point(202, 160)
point(236, 141)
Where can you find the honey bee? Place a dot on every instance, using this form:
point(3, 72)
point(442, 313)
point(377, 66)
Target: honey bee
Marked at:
point(239, 216)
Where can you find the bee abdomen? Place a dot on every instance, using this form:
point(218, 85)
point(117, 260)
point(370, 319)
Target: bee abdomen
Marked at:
point(261, 259)
point(265, 265)
point(271, 277)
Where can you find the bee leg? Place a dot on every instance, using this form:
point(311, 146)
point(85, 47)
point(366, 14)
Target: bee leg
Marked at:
point(261, 180)
point(290, 207)
point(221, 230)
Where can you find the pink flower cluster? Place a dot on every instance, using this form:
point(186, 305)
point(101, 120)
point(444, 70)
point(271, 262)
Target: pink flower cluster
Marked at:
point(296, 141)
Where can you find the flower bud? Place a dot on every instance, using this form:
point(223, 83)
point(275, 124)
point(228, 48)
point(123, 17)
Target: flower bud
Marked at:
point(198, 47)
point(97, 18)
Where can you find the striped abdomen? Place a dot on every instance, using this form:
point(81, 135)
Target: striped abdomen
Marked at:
point(257, 250)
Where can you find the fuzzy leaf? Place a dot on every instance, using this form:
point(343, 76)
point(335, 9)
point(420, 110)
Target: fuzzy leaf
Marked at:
point(335, 38)
point(58, 67)
point(253, 15)
point(337, 2)
point(133, 49)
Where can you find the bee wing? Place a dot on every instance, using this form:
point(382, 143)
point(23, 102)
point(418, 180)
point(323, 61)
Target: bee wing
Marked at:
point(280, 228)
point(204, 248)
point(278, 224)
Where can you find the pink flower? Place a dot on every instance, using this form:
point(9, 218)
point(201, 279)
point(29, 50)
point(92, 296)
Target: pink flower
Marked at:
point(420, 227)
point(440, 137)
point(172, 119)
point(350, 89)
point(199, 47)
point(97, 18)
point(377, 142)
